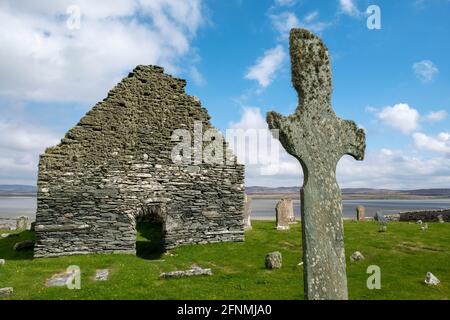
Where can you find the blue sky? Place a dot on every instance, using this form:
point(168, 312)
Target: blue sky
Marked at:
point(394, 82)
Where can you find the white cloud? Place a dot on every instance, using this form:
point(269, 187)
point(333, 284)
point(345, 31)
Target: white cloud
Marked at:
point(435, 116)
point(425, 70)
point(285, 21)
point(441, 143)
point(383, 168)
point(20, 146)
point(41, 59)
point(394, 169)
point(349, 7)
point(196, 76)
point(266, 66)
point(400, 117)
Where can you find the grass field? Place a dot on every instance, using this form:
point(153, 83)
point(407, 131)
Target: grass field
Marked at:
point(404, 253)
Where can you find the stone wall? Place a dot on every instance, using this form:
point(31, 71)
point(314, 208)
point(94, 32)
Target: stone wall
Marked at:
point(426, 216)
point(115, 165)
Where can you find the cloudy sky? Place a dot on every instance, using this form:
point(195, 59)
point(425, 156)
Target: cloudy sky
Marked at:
point(394, 82)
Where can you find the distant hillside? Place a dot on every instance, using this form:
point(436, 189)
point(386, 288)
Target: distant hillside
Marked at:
point(17, 190)
point(357, 192)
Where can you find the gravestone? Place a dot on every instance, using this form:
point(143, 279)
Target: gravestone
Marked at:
point(318, 139)
point(22, 223)
point(283, 211)
point(247, 213)
point(360, 213)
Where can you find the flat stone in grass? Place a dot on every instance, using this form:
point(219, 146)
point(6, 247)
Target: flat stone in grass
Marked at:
point(431, 279)
point(273, 260)
point(101, 275)
point(194, 271)
point(6, 292)
point(24, 245)
point(356, 256)
point(60, 279)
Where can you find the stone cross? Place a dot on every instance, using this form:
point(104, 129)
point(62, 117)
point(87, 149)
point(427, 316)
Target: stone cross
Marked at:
point(318, 139)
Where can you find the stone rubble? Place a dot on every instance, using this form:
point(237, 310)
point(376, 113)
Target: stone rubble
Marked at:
point(356, 256)
point(273, 260)
point(6, 292)
point(431, 279)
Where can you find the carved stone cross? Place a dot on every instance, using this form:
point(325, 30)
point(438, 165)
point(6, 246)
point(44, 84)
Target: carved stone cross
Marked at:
point(318, 139)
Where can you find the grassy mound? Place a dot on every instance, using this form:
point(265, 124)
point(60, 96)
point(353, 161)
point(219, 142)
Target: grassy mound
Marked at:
point(404, 253)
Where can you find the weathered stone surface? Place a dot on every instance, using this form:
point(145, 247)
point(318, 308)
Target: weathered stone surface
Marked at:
point(284, 212)
point(22, 223)
point(194, 271)
point(24, 245)
point(247, 213)
point(318, 139)
point(6, 292)
point(101, 275)
point(2, 262)
point(60, 279)
point(273, 260)
point(115, 167)
point(431, 279)
point(360, 213)
point(356, 256)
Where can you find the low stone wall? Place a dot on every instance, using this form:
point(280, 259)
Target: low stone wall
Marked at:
point(426, 216)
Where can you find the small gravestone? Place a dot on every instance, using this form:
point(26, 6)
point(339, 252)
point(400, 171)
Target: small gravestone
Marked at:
point(61, 279)
point(247, 213)
point(431, 279)
point(2, 262)
point(101, 275)
point(22, 223)
point(24, 245)
point(6, 292)
point(194, 271)
point(419, 222)
point(283, 211)
point(360, 213)
point(316, 137)
point(273, 260)
point(441, 218)
point(424, 227)
point(356, 256)
point(380, 217)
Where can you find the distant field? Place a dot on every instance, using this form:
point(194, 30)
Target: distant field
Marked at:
point(404, 253)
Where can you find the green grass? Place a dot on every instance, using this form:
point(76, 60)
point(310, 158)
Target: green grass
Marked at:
point(404, 253)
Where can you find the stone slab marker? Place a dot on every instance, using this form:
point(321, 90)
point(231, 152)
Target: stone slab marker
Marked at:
point(318, 139)
point(282, 215)
point(247, 212)
point(360, 213)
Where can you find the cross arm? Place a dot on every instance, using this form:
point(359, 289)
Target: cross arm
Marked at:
point(354, 140)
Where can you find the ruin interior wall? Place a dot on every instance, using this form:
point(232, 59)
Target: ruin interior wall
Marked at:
point(115, 164)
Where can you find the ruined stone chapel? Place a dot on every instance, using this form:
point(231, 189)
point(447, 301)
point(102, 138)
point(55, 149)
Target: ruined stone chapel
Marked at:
point(115, 167)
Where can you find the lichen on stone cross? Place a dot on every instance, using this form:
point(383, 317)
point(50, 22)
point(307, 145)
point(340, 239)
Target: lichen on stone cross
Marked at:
point(318, 139)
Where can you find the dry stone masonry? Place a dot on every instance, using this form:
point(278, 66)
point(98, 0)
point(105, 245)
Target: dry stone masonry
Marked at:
point(115, 167)
point(318, 139)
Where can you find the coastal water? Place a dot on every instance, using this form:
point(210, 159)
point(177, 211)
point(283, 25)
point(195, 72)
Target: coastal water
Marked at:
point(16, 206)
